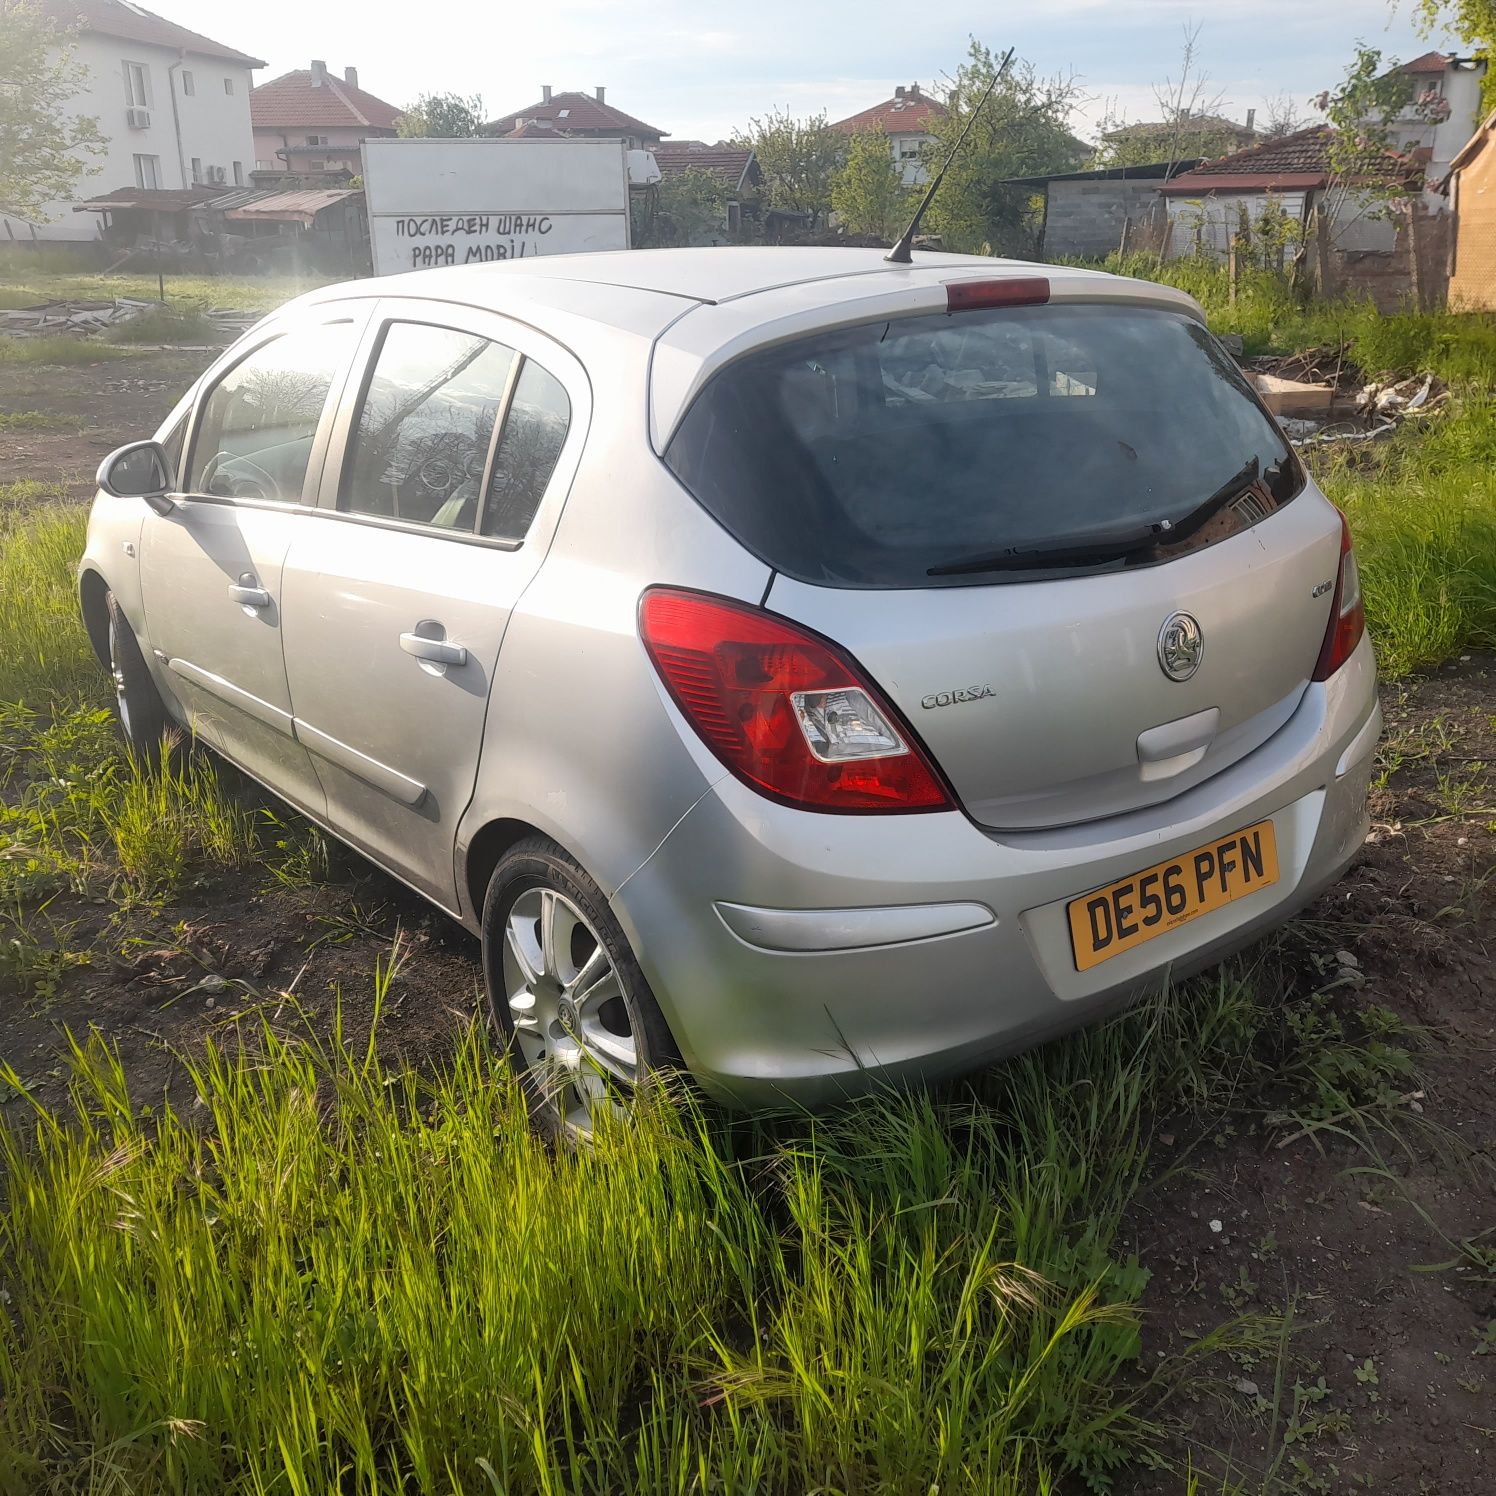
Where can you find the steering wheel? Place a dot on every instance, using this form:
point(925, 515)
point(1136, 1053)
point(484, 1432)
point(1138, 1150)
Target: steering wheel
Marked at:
point(247, 480)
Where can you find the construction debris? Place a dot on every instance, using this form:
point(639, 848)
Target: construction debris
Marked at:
point(1292, 397)
point(80, 317)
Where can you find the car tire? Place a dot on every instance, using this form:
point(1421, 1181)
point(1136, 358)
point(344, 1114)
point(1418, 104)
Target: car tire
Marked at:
point(138, 708)
point(576, 1017)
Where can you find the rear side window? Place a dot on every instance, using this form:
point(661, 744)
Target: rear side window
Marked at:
point(260, 420)
point(425, 429)
point(534, 434)
point(874, 455)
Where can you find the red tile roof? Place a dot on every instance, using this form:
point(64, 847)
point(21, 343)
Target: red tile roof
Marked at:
point(574, 113)
point(293, 101)
point(1298, 160)
point(1430, 62)
point(909, 110)
point(729, 165)
point(131, 23)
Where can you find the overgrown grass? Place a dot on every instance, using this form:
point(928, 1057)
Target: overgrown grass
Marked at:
point(24, 284)
point(169, 324)
point(44, 653)
point(35, 420)
point(341, 1276)
point(57, 350)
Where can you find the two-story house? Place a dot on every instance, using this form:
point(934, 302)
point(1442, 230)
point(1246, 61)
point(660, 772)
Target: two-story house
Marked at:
point(173, 106)
point(907, 119)
point(1441, 114)
point(309, 121)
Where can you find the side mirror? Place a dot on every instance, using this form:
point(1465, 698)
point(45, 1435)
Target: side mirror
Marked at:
point(141, 470)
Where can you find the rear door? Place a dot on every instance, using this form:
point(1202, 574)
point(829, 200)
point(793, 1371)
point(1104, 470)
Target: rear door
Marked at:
point(444, 482)
point(999, 512)
point(211, 569)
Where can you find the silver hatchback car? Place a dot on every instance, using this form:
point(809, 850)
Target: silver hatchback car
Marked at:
point(799, 668)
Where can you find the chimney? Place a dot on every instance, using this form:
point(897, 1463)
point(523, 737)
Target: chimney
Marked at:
point(545, 93)
point(601, 91)
point(914, 90)
point(350, 77)
point(319, 73)
point(899, 92)
point(1251, 116)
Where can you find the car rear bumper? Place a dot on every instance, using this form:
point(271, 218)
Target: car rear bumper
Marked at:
point(800, 958)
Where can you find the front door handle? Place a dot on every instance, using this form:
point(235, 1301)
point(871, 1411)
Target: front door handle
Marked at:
point(248, 595)
point(438, 651)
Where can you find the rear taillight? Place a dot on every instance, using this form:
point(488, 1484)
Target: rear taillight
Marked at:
point(1347, 613)
point(785, 710)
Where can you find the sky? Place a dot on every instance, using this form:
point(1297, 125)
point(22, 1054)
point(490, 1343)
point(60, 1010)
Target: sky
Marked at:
point(698, 70)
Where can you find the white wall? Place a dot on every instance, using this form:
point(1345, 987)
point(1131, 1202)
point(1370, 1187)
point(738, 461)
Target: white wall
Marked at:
point(214, 124)
point(1356, 226)
point(1461, 90)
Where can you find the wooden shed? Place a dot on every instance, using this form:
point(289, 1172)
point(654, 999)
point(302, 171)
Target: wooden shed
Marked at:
point(1471, 187)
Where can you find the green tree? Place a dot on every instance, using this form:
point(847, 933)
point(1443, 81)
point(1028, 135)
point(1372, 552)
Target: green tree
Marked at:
point(1360, 110)
point(447, 116)
point(681, 209)
point(1023, 130)
point(868, 194)
point(798, 159)
point(44, 148)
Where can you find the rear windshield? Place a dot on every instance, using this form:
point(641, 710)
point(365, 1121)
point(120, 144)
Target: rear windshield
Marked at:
point(876, 455)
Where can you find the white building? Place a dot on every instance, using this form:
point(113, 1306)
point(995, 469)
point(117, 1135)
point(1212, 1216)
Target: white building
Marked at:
point(908, 120)
point(1442, 114)
point(172, 105)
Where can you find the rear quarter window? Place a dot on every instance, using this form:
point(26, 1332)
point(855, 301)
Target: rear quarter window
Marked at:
point(870, 455)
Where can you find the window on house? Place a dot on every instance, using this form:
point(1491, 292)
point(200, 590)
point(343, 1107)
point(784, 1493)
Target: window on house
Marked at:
point(238, 173)
point(197, 168)
point(148, 171)
point(189, 88)
point(316, 140)
point(316, 166)
point(228, 85)
point(137, 85)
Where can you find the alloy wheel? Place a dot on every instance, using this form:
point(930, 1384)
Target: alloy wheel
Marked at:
point(572, 1024)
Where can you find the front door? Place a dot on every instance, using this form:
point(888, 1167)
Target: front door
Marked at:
point(398, 591)
point(211, 569)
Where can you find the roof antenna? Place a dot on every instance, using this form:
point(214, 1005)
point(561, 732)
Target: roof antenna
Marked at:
point(899, 254)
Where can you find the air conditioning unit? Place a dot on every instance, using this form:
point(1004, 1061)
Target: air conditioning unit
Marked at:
point(219, 173)
point(138, 119)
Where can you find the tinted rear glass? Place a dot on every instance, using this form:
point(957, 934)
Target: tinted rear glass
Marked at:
point(866, 456)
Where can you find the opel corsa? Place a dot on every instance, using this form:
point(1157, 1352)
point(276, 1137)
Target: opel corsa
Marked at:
point(800, 668)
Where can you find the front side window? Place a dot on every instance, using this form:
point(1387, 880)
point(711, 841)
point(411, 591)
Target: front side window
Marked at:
point(189, 88)
point(258, 424)
point(425, 429)
point(148, 171)
point(906, 453)
point(533, 437)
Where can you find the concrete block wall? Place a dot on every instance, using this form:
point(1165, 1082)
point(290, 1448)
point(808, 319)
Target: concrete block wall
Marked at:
point(1084, 219)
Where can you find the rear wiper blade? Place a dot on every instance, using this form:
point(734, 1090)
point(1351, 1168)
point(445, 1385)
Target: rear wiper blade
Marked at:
point(1099, 546)
point(1103, 546)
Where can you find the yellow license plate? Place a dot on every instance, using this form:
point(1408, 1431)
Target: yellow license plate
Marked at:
point(1123, 915)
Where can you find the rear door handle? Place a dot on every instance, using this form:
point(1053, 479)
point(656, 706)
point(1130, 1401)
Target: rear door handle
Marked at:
point(438, 651)
point(249, 596)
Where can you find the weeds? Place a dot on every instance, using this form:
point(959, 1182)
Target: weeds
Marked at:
point(35, 420)
point(57, 350)
point(355, 1276)
point(167, 324)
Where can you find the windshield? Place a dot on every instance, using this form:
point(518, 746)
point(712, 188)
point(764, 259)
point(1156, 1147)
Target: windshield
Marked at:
point(887, 454)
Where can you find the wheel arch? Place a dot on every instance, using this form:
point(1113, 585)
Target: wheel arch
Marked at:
point(489, 843)
point(93, 593)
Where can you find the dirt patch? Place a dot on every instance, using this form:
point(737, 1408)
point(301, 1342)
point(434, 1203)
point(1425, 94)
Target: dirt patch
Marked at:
point(102, 405)
point(1389, 1379)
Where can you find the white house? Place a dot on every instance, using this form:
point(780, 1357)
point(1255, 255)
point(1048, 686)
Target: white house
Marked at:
point(908, 120)
point(172, 105)
point(1442, 114)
